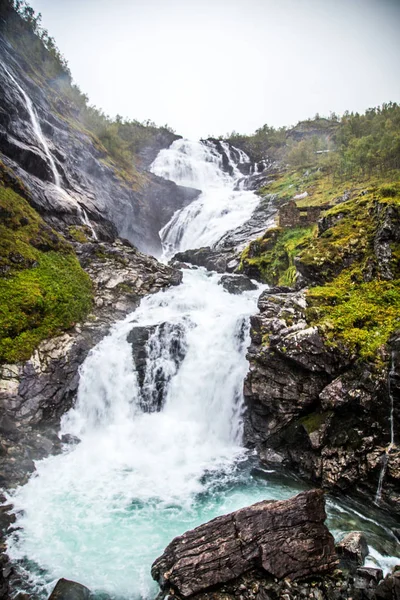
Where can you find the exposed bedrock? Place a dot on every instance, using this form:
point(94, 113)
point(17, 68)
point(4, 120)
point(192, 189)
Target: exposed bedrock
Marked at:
point(285, 538)
point(157, 351)
point(313, 409)
point(134, 208)
point(69, 590)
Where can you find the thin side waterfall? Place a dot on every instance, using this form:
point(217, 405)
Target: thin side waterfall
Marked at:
point(385, 457)
point(36, 128)
point(44, 145)
point(85, 219)
point(220, 207)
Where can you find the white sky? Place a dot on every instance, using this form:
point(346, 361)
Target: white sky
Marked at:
point(207, 67)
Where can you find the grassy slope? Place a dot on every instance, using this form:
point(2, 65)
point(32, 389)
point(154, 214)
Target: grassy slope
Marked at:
point(43, 289)
point(355, 305)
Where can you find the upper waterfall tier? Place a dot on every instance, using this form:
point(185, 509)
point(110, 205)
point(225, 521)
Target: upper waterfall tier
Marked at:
point(211, 167)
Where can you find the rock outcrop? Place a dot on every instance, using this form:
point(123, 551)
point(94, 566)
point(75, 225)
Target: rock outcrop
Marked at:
point(158, 351)
point(284, 538)
point(314, 409)
point(224, 256)
point(237, 284)
point(69, 590)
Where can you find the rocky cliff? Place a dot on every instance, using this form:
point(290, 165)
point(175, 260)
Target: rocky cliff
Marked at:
point(322, 393)
point(76, 172)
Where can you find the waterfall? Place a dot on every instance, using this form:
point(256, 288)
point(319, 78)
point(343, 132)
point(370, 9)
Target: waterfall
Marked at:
point(45, 147)
point(389, 448)
point(220, 207)
point(85, 220)
point(101, 512)
point(37, 129)
point(158, 418)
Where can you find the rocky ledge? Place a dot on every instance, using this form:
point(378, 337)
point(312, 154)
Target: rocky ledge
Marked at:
point(224, 255)
point(314, 409)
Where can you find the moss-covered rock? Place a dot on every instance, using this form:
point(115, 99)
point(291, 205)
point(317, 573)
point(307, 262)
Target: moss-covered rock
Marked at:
point(271, 258)
point(43, 289)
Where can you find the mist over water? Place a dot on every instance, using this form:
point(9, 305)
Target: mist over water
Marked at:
point(101, 512)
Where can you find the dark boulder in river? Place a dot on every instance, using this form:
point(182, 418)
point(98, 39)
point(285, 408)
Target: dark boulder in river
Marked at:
point(285, 539)
point(237, 284)
point(69, 590)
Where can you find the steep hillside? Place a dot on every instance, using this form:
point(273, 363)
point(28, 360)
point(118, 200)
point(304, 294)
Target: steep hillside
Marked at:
point(91, 162)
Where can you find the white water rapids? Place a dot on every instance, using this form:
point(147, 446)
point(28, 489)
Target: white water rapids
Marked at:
point(219, 209)
point(101, 512)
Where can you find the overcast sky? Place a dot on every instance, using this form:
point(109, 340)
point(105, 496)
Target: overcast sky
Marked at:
point(212, 66)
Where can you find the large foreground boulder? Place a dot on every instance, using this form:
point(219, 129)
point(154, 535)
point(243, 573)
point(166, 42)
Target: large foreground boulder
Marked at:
point(69, 590)
point(286, 539)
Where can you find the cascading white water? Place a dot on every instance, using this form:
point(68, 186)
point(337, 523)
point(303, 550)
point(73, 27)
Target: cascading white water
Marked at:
point(105, 509)
point(219, 209)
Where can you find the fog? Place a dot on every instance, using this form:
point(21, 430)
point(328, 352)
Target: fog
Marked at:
point(207, 67)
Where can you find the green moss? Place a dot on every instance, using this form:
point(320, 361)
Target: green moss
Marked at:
point(315, 420)
point(353, 307)
point(43, 289)
point(362, 316)
point(78, 233)
point(271, 257)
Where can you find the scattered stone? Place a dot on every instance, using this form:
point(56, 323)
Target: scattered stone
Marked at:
point(353, 548)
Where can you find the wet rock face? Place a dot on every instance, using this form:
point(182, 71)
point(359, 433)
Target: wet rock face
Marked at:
point(387, 233)
point(284, 538)
point(237, 284)
point(353, 548)
point(158, 352)
point(114, 207)
point(204, 257)
point(256, 585)
point(37, 393)
point(310, 408)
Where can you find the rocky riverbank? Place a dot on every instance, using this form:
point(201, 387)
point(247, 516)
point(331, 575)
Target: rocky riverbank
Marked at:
point(322, 393)
point(267, 551)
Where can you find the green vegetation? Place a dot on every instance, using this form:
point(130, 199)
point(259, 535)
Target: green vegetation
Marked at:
point(270, 257)
point(356, 305)
point(353, 146)
point(360, 316)
point(43, 289)
point(315, 420)
point(78, 233)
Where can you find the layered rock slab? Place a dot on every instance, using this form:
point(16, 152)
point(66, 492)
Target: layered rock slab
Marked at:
point(286, 538)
